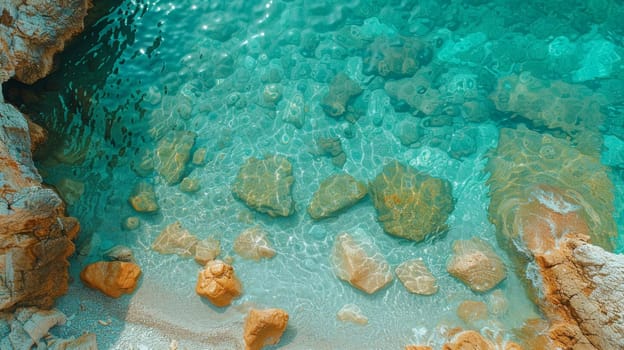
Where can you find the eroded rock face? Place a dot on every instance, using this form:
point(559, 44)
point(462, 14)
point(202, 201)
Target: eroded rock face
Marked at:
point(264, 327)
point(112, 278)
point(218, 283)
point(265, 185)
point(411, 204)
point(35, 235)
point(476, 264)
point(360, 264)
point(31, 32)
point(336, 193)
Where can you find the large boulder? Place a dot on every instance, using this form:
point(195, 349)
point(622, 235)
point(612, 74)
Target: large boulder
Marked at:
point(476, 264)
point(411, 204)
point(35, 234)
point(264, 327)
point(335, 194)
point(360, 263)
point(218, 283)
point(112, 278)
point(265, 185)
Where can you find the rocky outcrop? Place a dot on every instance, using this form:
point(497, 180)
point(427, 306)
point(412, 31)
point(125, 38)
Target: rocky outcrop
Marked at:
point(35, 235)
point(32, 32)
point(112, 278)
point(218, 283)
point(264, 327)
point(411, 204)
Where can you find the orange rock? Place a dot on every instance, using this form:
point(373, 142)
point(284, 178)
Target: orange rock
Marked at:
point(469, 340)
point(112, 278)
point(218, 283)
point(264, 327)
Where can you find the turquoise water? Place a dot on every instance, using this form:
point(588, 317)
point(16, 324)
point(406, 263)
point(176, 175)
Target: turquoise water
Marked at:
point(150, 67)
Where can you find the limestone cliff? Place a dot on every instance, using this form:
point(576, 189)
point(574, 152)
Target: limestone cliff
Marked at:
point(35, 234)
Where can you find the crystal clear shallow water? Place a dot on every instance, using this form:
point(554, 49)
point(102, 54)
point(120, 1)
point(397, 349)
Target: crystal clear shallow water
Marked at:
point(158, 66)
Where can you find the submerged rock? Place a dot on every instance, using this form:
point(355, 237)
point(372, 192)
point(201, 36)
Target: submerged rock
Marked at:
point(112, 278)
point(172, 155)
point(265, 185)
point(396, 57)
point(36, 235)
point(409, 203)
point(416, 277)
point(341, 90)
point(416, 92)
point(264, 327)
point(143, 198)
point(206, 250)
point(360, 264)
point(253, 244)
point(175, 239)
point(471, 311)
point(218, 283)
point(352, 313)
point(336, 193)
point(476, 264)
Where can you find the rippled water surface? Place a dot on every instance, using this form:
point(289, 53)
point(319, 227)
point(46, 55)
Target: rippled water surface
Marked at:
point(148, 68)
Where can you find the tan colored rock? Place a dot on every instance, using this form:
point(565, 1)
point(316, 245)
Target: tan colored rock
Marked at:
point(360, 264)
point(471, 311)
point(218, 283)
point(416, 277)
point(253, 244)
point(352, 313)
point(143, 198)
point(35, 235)
point(206, 250)
point(175, 239)
point(476, 264)
point(264, 327)
point(112, 278)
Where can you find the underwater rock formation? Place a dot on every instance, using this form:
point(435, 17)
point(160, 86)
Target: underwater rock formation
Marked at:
point(265, 185)
point(32, 32)
point(416, 277)
point(476, 264)
point(360, 264)
point(112, 278)
point(341, 90)
point(35, 235)
point(411, 204)
point(218, 283)
point(264, 327)
point(175, 239)
point(336, 193)
point(172, 155)
point(546, 210)
point(253, 244)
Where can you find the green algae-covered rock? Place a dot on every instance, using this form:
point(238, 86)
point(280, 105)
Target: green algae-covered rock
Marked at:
point(411, 204)
point(336, 193)
point(265, 185)
point(173, 152)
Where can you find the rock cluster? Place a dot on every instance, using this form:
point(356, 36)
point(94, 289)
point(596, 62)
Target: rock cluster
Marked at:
point(409, 203)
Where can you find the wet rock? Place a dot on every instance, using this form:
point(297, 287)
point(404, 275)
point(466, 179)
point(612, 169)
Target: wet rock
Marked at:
point(332, 147)
point(218, 283)
point(476, 264)
point(360, 264)
point(206, 250)
point(352, 313)
point(253, 244)
point(33, 32)
point(471, 311)
point(409, 132)
point(292, 109)
point(335, 194)
point(264, 327)
point(172, 155)
point(143, 198)
point(265, 185)
point(411, 204)
point(119, 253)
point(199, 156)
point(415, 92)
point(175, 239)
point(341, 90)
point(416, 277)
point(36, 235)
point(189, 185)
point(396, 57)
point(112, 278)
